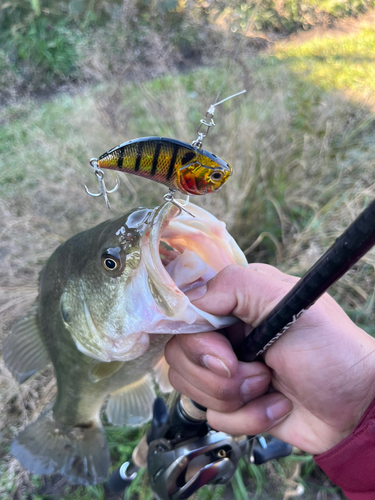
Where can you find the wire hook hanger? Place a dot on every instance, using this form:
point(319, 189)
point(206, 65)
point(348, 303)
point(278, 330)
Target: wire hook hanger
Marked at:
point(208, 121)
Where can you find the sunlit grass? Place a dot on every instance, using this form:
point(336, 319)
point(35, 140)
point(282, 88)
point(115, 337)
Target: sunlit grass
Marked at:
point(345, 63)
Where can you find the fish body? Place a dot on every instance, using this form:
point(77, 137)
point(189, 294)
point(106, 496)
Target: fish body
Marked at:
point(108, 302)
point(176, 164)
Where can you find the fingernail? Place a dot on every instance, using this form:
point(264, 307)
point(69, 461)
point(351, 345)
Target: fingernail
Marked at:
point(215, 365)
point(278, 409)
point(196, 293)
point(253, 384)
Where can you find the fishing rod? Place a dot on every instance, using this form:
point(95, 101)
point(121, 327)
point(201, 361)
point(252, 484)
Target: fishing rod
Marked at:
point(183, 452)
point(348, 249)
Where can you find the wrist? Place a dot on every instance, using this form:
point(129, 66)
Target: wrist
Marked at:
point(349, 464)
point(331, 437)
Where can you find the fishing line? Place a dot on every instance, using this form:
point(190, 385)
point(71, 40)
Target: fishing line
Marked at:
point(240, 45)
point(232, 60)
point(211, 110)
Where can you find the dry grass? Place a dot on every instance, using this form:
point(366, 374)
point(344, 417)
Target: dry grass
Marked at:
point(303, 161)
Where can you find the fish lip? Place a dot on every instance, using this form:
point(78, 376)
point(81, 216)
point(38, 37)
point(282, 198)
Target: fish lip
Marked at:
point(162, 216)
point(159, 222)
point(166, 294)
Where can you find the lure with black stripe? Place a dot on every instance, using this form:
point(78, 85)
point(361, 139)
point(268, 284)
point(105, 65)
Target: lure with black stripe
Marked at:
point(173, 163)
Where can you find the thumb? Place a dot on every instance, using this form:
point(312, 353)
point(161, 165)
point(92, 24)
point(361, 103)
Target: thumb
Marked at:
point(247, 293)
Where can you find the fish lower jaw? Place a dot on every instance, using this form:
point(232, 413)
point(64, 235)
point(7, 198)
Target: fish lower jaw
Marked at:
point(118, 349)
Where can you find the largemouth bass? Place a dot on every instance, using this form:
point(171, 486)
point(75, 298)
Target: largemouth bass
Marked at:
point(109, 299)
point(175, 164)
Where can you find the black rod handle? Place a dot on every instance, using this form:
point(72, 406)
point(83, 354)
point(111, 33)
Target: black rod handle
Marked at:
point(353, 244)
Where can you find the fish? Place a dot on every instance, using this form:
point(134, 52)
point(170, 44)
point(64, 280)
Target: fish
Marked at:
point(175, 164)
point(109, 299)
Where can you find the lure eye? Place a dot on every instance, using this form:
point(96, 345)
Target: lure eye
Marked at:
point(187, 157)
point(216, 176)
point(110, 263)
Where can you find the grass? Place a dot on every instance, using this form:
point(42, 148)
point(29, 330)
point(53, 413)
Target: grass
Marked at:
point(345, 63)
point(47, 44)
point(303, 155)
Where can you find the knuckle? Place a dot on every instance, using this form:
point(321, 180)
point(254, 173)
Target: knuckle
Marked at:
point(169, 347)
point(175, 380)
point(233, 272)
point(224, 392)
point(172, 353)
point(228, 406)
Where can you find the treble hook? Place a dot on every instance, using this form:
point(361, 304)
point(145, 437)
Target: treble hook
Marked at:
point(170, 197)
point(103, 188)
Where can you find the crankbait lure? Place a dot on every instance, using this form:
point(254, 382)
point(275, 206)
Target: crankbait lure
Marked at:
point(175, 164)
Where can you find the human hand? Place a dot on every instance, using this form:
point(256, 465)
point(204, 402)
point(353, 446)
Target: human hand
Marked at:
point(321, 371)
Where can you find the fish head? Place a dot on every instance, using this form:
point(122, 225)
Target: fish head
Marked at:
point(102, 263)
point(202, 172)
point(134, 276)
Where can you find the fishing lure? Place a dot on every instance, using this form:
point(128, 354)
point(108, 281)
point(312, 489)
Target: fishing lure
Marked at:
point(175, 164)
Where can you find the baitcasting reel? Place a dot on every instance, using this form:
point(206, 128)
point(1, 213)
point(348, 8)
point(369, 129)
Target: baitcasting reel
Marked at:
point(184, 453)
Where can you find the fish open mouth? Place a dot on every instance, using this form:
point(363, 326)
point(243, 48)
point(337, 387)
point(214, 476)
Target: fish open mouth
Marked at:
point(187, 269)
point(183, 253)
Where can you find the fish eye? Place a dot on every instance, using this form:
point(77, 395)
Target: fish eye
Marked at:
point(65, 313)
point(216, 176)
point(110, 263)
point(187, 157)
